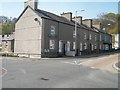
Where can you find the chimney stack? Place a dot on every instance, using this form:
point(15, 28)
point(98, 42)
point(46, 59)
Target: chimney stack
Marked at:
point(32, 3)
point(78, 19)
point(67, 15)
point(98, 26)
point(87, 22)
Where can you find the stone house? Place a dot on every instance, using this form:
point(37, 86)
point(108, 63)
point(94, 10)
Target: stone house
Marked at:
point(8, 43)
point(39, 33)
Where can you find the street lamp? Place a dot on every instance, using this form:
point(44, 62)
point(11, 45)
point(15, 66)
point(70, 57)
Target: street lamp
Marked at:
point(105, 37)
point(76, 49)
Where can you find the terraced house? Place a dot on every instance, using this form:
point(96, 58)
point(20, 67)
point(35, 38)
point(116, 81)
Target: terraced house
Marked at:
point(39, 33)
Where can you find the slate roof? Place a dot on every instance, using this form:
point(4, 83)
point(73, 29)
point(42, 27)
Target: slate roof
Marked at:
point(51, 16)
point(55, 17)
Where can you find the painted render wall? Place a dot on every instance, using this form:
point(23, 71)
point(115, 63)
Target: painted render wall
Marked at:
point(28, 33)
point(46, 37)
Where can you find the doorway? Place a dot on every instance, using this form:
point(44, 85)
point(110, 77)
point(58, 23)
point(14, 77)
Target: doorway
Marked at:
point(64, 46)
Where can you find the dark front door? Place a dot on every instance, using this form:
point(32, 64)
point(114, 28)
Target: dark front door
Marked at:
point(90, 48)
point(63, 49)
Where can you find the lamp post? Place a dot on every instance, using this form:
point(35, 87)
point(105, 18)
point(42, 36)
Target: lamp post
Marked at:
point(76, 35)
point(105, 36)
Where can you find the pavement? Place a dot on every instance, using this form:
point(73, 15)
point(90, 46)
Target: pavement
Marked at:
point(60, 72)
point(104, 63)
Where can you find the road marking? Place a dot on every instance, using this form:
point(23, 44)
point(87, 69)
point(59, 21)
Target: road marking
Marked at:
point(93, 67)
point(73, 63)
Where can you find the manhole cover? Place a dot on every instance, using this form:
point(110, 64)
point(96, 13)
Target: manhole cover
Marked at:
point(46, 79)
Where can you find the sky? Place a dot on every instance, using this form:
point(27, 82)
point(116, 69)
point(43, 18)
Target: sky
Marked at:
point(91, 9)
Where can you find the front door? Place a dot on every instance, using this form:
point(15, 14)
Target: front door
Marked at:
point(63, 49)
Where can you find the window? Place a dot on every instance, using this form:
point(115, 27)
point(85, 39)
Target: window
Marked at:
point(52, 30)
point(90, 37)
point(100, 46)
point(85, 46)
point(60, 46)
point(100, 37)
point(80, 46)
point(105, 37)
point(92, 47)
point(95, 46)
point(73, 45)
point(73, 33)
point(6, 44)
point(95, 38)
point(68, 45)
point(52, 44)
point(85, 36)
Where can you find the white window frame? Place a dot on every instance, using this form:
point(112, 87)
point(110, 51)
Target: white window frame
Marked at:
point(73, 45)
point(68, 45)
point(100, 37)
point(73, 33)
point(85, 46)
point(100, 47)
point(52, 30)
point(95, 46)
point(60, 46)
point(92, 47)
point(90, 36)
point(81, 46)
point(52, 44)
point(85, 36)
point(95, 37)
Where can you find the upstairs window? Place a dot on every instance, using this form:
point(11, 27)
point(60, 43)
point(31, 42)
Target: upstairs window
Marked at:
point(95, 38)
point(52, 30)
point(100, 37)
point(73, 33)
point(90, 36)
point(85, 36)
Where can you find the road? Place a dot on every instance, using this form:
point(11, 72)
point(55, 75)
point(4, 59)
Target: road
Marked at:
point(58, 73)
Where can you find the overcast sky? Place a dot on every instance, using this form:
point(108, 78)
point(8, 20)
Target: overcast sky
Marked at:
point(92, 9)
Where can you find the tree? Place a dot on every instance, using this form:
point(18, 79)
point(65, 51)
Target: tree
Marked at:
point(7, 25)
point(111, 19)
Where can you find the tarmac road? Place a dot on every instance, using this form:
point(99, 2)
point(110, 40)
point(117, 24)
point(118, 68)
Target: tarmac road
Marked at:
point(56, 73)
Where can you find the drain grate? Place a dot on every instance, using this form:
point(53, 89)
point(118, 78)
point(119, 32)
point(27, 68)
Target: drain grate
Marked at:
point(46, 79)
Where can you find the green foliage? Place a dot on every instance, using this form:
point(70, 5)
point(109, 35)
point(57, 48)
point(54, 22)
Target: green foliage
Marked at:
point(8, 28)
point(7, 25)
point(110, 22)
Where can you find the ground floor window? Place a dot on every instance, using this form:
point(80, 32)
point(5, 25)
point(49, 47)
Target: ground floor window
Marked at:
point(85, 46)
point(68, 45)
point(100, 46)
point(52, 44)
point(80, 46)
point(60, 46)
point(92, 47)
point(73, 45)
point(95, 46)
